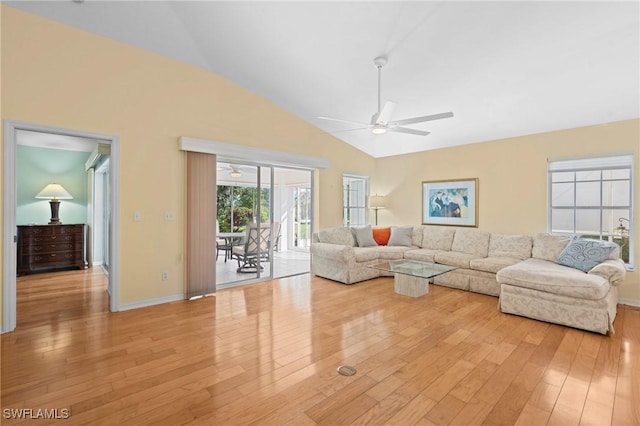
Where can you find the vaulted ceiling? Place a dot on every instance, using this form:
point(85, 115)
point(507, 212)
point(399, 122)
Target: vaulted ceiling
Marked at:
point(503, 68)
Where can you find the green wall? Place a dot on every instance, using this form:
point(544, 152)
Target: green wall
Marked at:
point(37, 167)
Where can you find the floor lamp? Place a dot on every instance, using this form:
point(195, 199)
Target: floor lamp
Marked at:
point(376, 202)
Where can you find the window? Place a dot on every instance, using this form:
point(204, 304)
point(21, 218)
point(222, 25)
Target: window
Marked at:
point(301, 197)
point(354, 200)
point(593, 198)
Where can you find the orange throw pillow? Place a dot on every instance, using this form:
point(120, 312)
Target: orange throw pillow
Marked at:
point(381, 235)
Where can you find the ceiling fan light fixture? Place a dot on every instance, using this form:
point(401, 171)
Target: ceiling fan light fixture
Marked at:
point(378, 130)
point(235, 174)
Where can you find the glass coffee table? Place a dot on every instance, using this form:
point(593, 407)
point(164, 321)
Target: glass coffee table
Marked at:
point(412, 277)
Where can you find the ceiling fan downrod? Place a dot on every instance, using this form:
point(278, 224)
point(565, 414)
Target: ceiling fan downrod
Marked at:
point(379, 62)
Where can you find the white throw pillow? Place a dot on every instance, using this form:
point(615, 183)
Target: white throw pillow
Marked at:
point(364, 236)
point(401, 236)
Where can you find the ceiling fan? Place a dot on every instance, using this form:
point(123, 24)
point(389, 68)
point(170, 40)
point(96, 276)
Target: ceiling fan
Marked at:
point(234, 170)
point(381, 121)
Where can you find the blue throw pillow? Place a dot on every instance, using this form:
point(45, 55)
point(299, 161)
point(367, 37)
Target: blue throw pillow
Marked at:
point(584, 254)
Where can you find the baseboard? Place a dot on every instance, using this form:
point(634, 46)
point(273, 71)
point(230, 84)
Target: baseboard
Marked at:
point(151, 302)
point(635, 303)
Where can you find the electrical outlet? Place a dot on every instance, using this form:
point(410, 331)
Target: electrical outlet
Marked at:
point(165, 275)
point(169, 216)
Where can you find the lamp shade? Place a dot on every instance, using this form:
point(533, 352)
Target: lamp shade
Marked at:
point(376, 202)
point(54, 191)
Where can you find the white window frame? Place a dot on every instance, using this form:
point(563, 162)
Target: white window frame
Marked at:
point(346, 201)
point(604, 163)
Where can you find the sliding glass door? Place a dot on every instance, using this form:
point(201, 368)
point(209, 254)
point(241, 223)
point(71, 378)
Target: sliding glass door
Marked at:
point(243, 206)
point(264, 216)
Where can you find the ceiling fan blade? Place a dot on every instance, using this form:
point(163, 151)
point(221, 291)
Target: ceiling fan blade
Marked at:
point(387, 111)
point(409, 131)
point(349, 130)
point(344, 121)
point(424, 118)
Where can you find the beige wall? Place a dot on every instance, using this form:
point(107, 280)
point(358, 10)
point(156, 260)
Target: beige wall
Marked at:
point(512, 177)
point(58, 76)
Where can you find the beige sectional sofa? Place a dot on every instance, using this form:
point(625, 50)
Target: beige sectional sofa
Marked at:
point(521, 269)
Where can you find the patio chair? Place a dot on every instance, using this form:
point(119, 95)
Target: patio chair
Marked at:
point(277, 227)
point(221, 244)
point(255, 248)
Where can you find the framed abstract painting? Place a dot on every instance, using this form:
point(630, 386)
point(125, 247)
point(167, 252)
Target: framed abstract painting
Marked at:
point(450, 202)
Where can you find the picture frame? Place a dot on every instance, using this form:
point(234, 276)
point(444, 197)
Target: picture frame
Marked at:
point(450, 202)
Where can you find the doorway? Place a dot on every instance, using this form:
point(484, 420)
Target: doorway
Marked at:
point(99, 216)
point(250, 194)
point(51, 136)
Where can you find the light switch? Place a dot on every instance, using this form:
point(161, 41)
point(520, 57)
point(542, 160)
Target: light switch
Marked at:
point(137, 217)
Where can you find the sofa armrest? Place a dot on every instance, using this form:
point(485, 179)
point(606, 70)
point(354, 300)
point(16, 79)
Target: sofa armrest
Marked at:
point(611, 270)
point(333, 251)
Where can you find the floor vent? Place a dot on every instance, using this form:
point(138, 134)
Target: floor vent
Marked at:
point(347, 370)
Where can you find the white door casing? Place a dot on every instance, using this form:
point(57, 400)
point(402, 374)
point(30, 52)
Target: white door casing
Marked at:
point(10, 205)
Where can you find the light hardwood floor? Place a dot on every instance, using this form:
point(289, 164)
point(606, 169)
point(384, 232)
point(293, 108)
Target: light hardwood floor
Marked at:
point(268, 353)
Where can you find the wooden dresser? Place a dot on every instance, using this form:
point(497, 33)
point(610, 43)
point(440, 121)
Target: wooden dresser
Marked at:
point(47, 247)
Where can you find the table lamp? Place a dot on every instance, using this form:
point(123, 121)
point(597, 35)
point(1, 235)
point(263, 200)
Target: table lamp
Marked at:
point(54, 192)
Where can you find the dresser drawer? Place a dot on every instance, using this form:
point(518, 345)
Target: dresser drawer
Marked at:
point(51, 238)
point(49, 247)
point(51, 259)
point(27, 231)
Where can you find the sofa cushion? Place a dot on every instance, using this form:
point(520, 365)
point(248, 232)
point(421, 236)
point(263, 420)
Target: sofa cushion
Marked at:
point(423, 255)
point(510, 246)
point(342, 236)
point(548, 246)
point(391, 252)
point(416, 236)
point(437, 237)
point(455, 258)
point(401, 236)
point(550, 277)
point(364, 237)
point(381, 235)
point(584, 254)
point(492, 264)
point(471, 241)
point(365, 254)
